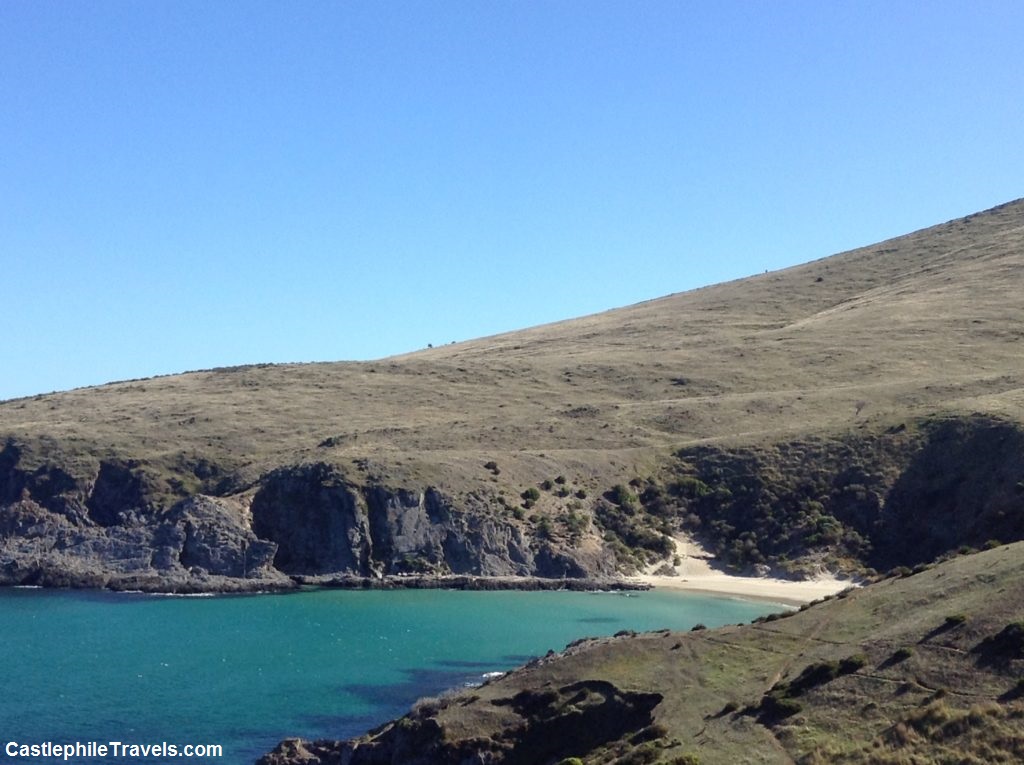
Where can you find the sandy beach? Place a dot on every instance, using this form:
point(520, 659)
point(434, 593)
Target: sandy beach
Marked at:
point(695, 574)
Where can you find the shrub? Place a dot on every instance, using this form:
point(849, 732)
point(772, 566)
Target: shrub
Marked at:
point(642, 755)
point(851, 664)
point(428, 706)
point(817, 674)
point(575, 523)
point(902, 654)
point(624, 498)
point(530, 494)
point(1007, 644)
point(779, 708)
point(690, 487)
point(955, 620)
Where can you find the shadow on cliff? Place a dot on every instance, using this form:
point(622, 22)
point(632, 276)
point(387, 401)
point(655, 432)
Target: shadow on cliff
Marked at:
point(964, 487)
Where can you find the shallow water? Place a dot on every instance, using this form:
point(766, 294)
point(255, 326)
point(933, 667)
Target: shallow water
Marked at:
point(246, 671)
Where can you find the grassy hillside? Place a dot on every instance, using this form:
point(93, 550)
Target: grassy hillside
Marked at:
point(919, 669)
point(927, 322)
point(587, 436)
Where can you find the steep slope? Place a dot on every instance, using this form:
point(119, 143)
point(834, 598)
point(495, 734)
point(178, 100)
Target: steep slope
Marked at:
point(922, 668)
point(421, 462)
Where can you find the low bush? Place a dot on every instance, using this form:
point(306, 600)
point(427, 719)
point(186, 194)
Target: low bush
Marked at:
point(902, 654)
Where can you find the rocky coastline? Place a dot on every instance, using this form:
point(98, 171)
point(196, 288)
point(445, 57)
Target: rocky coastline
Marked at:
point(112, 527)
point(482, 583)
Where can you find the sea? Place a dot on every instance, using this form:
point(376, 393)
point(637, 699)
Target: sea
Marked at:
point(241, 672)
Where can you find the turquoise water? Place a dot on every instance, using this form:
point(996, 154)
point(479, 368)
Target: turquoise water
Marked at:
point(246, 671)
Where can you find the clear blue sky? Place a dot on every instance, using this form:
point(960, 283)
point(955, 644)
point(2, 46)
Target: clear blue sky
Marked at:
point(192, 184)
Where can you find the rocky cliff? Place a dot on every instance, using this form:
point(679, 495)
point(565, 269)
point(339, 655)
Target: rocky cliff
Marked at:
point(114, 527)
point(901, 497)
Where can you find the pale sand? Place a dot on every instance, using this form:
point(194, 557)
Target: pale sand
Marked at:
point(695, 574)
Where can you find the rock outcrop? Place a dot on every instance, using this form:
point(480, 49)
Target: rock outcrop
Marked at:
point(322, 523)
point(541, 726)
point(115, 528)
point(200, 544)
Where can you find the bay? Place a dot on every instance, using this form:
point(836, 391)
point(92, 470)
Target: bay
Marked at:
point(246, 671)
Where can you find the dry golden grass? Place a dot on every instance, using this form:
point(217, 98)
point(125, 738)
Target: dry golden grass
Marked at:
point(929, 322)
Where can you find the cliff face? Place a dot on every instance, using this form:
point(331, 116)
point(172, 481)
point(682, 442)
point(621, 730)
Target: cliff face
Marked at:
point(897, 498)
point(106, 530)
point(111, 529)
point(323, 524)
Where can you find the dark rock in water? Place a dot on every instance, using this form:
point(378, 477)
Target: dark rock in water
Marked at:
point(294, 751)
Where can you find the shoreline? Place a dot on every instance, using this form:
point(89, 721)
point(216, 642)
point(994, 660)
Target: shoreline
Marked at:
point(467, 582)
point(694, 572)
point(785, 592)
point(768, 590)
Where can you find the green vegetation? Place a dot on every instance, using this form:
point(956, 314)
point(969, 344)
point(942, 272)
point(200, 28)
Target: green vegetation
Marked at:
point(839, 700)
point(780, 701)
point(1005, 646)
point(634, 534)
point(530, 497)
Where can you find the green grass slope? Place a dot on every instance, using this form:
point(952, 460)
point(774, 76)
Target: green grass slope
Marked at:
point(919, 669)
